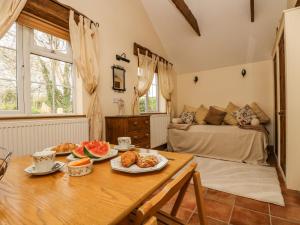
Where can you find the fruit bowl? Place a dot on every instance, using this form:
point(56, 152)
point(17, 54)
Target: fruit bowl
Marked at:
point(77, 169)
point(4, 159)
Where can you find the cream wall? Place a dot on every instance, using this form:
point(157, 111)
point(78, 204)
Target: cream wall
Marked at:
point(219, 86)
point(122, 22)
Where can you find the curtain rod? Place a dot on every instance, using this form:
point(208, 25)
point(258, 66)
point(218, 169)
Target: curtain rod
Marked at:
point(75, 11)
point(135, 52)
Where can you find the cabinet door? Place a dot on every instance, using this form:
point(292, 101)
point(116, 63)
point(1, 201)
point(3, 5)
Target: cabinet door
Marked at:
point(282, 104)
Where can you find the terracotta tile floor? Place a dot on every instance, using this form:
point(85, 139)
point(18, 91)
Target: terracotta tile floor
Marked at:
point(223, 208)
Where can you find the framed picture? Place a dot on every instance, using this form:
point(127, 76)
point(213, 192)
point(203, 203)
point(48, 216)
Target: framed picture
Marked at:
point(118, 78)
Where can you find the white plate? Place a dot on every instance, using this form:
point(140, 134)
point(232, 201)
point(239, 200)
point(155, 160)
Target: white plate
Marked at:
point(57, 166)
point(112, 153)
point(124, 149)
point(116, 165)
point(58, 153)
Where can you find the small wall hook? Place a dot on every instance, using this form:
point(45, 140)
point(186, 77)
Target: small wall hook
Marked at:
point(196, 79)
point(244, 72)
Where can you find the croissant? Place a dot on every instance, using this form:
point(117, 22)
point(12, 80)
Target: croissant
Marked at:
point(129, 158)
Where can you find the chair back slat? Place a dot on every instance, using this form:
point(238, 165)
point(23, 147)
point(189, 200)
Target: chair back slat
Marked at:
point(150, 207)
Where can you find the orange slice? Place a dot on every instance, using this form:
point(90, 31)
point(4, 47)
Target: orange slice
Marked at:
point(80, 162)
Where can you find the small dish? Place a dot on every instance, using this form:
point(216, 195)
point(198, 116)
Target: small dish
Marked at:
point(32, 171)
point(78, 171)
point(112, 153)
point(124, 149)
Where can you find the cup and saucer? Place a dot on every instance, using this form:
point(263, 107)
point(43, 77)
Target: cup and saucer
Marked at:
point(44, 163)
point(124, 144)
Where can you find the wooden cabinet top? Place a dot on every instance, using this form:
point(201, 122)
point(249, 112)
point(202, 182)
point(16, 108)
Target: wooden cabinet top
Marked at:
point(127, 116)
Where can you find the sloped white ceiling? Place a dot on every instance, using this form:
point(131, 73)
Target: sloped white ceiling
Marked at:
point(227, 35)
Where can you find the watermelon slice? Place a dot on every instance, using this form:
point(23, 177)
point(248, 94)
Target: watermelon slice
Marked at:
point(79, 152)
point(96, 149)
point(84, 143)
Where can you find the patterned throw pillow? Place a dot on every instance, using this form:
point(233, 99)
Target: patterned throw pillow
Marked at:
point(188, 117)
point(244, 115)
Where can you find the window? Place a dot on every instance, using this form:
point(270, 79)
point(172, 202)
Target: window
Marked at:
point(8, 71)
point(153, 102)
point(36, 73)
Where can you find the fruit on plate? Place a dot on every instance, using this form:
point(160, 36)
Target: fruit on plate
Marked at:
point(66, 147)
point(96, 149)
point(80, 162)
point(79, 152)
point(92, 149)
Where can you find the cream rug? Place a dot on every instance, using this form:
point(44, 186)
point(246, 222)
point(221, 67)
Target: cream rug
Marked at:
point(251, 181)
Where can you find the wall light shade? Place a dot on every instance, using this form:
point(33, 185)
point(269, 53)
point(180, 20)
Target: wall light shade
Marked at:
point(122, 57)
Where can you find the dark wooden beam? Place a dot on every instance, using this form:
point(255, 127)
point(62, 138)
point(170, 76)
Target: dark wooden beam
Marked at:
point(297, 3)
point(252, 10)
point(188, 15)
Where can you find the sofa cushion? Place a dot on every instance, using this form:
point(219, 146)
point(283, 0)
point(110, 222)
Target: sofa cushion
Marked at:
point(214, 116)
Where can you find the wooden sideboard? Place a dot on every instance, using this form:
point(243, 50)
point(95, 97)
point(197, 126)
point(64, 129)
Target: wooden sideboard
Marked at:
point(136, 127)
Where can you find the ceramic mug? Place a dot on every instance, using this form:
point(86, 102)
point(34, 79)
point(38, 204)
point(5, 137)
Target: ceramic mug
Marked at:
point(124, 142)
point(44, 161)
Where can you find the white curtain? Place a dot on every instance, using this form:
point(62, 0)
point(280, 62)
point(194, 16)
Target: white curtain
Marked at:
point(85, 47)
point(146, 72)
point(165, 81)
point(9, 12)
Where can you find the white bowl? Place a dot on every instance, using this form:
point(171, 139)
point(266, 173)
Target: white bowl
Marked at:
point(78, 171)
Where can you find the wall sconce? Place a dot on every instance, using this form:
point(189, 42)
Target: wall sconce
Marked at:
point(244, 72)
point(196, 79)
point(122, 57)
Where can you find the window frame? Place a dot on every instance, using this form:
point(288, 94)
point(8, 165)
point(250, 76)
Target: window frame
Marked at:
point(24, 48)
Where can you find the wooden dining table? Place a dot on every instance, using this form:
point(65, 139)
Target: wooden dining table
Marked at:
point(103, 197)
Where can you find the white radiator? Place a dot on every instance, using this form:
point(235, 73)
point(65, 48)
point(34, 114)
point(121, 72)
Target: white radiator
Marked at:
point(27, 137)
point(158, 129)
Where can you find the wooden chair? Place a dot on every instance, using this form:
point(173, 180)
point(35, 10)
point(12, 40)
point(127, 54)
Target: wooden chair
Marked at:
point(179, 184)
point(151, 221)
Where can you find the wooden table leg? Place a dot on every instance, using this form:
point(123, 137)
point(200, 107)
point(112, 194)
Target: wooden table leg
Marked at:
point(199, 198)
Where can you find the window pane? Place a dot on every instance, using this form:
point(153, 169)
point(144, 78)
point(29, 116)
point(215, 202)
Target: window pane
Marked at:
point(152, 96)
point(8, 95)
point(9, 39)
point(50, 42)
point(142, 104)
point(41, 98)
point(40, 69)
point(59, 45)
point(8, 74)
point(152, 104)
point(63, 100)
point(51, 85)
point(42, 39)
point(63, 73)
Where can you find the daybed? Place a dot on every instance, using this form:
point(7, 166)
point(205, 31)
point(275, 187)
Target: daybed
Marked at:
point(221, 142)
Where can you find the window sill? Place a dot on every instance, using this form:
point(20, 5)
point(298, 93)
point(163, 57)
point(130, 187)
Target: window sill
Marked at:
point(34, 117)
